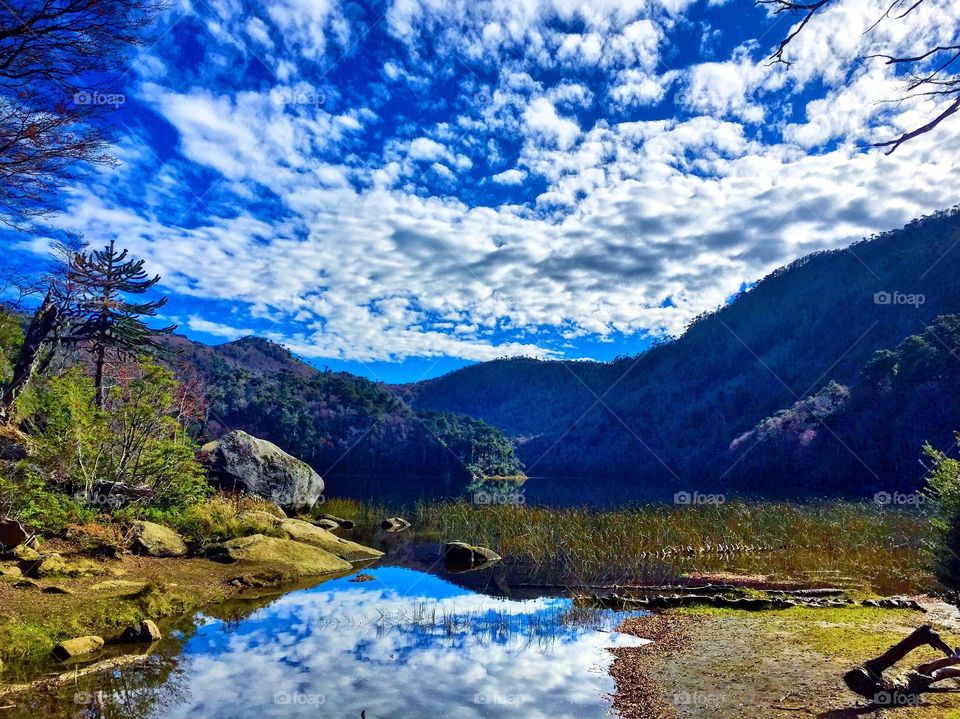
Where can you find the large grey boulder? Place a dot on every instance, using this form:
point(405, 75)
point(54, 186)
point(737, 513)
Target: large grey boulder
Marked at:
point(240, 462)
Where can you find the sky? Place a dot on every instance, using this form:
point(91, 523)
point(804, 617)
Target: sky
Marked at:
point(401, 188)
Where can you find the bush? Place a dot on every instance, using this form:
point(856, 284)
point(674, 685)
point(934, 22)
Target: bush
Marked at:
point(137, 439)
point(943, 487)
point(27, 497)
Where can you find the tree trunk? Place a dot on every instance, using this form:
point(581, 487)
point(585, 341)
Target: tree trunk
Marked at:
point(43, 323)
point(101, 358)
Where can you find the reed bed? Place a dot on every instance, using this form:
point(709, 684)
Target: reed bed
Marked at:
point(857, 545)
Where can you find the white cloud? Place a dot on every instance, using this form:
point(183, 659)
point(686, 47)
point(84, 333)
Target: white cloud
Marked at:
point(510, 177)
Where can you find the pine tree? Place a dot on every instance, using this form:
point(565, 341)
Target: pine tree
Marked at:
point(101, 315)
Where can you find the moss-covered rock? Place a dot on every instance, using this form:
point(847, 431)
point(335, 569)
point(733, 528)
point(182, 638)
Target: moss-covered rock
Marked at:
point(156, 540)
point(301, 531)
point(26, 554)
point(293, 559)
point(77, 647)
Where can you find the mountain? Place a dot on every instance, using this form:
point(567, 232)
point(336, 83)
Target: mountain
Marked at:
point(903, 398)
point(341, 424)
point(666, 419)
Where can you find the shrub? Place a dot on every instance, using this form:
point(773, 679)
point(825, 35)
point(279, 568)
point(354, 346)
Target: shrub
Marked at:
point(943, 487)
point(137, 439)
point(27, 497)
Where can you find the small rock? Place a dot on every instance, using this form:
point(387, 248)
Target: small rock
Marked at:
point(340, 521)
point(142, 633)
point(26, 583)
point(155, 540)
point(76, 647)
point(395, 524)
point(463, 553)
point(327, 524)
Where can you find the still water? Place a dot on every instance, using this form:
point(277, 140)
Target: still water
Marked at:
point(405, 644)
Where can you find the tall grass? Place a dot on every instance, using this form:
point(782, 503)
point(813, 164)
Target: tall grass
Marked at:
point(859, 546)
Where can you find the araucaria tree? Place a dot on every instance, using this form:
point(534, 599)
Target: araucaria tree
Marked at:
point(102, 317)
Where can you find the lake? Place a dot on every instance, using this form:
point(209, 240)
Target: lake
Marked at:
point(404, 644)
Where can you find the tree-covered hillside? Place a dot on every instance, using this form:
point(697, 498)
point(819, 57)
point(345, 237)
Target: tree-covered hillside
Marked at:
point(867, 435)
point(339, 423)
point(667, 417)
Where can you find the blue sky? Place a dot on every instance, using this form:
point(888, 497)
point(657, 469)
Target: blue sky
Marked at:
point(400, 188)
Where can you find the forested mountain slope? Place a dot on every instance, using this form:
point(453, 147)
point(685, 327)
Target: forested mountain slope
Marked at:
point(667, 417)
point(339, 423)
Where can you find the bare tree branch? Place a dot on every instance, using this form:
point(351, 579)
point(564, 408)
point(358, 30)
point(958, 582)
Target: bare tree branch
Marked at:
point(935, 82)
point(56, 60)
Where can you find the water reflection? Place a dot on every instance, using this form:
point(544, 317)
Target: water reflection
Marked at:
point(405, 645)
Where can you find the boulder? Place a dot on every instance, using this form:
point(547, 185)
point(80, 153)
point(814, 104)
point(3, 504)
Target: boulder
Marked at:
point(394, 524)
point(143, 633)
point(26, 554)
point(12, 534)
point(155, 540)
point(239, 462)
point(301, 531)
point(468, 554)
point(255, 516)
point(53, 564)
point(76, 647)
point(10, 570)
point(293, 559)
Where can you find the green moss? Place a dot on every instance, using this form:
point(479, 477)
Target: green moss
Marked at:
point(25, 638)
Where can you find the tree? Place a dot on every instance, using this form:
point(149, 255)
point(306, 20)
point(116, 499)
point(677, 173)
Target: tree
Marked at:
point(102, 317)
point(930, 74)
point(56, 58)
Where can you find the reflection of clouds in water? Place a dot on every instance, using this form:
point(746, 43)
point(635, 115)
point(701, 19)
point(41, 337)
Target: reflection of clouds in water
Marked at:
point(340, 648)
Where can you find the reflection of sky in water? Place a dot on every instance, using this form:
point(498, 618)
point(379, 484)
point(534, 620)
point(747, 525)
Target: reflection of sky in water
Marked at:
point(406, 645)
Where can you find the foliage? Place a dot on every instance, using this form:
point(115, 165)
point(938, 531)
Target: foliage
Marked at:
point(49, 124)
point(11, 335)
point(26, 496)
point(223, 517)
point(136, 440)
point(943, 487)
